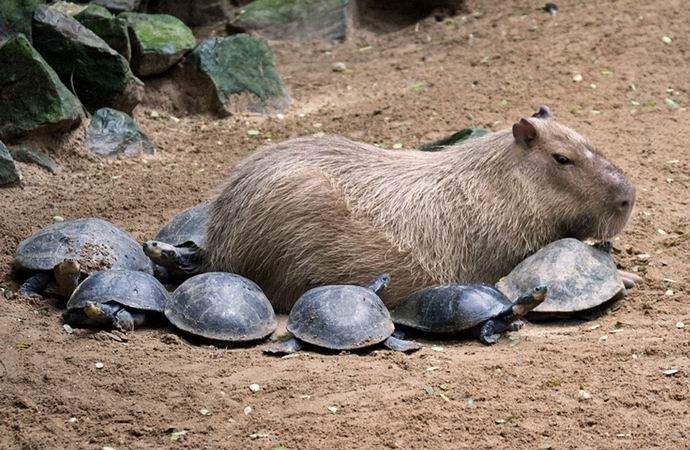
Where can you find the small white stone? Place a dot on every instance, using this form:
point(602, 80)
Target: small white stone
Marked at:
point(68, 329)
point(661, 232)
point(666, 40)
point(248, 411)
point(577, 78)
point(254, 387)
point(339, 67)
point(437, 348)
point(333, 409)
point(583, 395)
point(253, 132)
point(72, 420)
point(99, 365)
point(205, 412)
point(669, 293)
point(280, 116)
point(397, 146)
point(680, 325)
point(58, 219)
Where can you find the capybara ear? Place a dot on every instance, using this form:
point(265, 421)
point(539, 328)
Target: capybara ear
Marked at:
point(543, 113)
point(524, 132)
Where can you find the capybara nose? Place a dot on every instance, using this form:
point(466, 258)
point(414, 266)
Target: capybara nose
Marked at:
point(626, 199)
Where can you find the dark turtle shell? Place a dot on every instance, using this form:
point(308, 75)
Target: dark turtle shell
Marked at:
point(221, 307)
point(95, 243)
point(187, 226)
point(340, 317)
point(450, 308)
point(579, 276)
point(130, 288)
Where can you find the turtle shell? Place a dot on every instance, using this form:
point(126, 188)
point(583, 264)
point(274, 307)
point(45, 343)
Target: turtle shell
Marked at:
point(450, 308)
point(579, 277)
point(95, 243)
point(130, 288)
point(221, 307)
point(187, 226)
point(340, 317)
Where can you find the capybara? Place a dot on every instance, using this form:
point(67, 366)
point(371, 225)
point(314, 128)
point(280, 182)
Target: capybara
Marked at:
point(325, 210)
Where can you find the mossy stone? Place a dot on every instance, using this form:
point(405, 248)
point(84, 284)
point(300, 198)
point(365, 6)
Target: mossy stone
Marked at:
point(297, 20)
point(238, 73)
point(159, 41)
point(31, 94)
point(16, 15)
point(113, 30)
point(99, 75)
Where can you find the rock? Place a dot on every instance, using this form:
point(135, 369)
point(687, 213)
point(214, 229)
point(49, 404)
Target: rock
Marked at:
point(8, 171)
point(192, 13)
point(100, 75)
point(30, 155)
point(114, 133)
point(69, 8)
point(16, 15)
point(233, 74)
point(32, 96)
point(339, 67)
point(113, 30)
point(116, 6)
point(295, 20)
point(455, 138)
point(159, 41)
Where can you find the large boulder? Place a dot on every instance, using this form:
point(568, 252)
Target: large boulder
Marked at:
point(32, 97)
point(194, 13)
point(8, 171)
point(113, 133)
point(298, 20)
point(113, 30)
point(98, 74)
point(159, 41)
point(233, 74)
point(16, 16)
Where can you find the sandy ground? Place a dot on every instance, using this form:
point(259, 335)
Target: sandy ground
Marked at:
point(489, 67)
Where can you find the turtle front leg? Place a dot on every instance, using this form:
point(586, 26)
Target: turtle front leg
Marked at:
point(35, 285)
point(400, 345)
point(516, 325)
point(125, 320)
point(287, 347)
point(489, 333)
point(630, 279)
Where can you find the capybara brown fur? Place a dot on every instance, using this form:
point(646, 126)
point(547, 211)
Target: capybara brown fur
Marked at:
point(325, 210)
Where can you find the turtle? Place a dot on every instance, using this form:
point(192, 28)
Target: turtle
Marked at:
point(55, 259)
point(221, 307)
point(178, 246)
point(117, 298)
point(342, 317)
point(581, 279)
point(476, 309)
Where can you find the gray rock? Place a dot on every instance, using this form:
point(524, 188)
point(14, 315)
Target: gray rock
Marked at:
point(100, 75)
point(159, 41)
point(31, 155)
point(8, 171)
point(32, 97)
point(114, 133)
point(117, 6)
point(111, 29)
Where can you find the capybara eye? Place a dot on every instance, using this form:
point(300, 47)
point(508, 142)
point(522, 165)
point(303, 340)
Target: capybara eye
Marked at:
point(562, 160)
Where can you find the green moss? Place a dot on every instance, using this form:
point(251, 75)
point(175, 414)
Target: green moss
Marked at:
point(15, 16)
point(160, 33)
point(32, 95)
point(239, 64)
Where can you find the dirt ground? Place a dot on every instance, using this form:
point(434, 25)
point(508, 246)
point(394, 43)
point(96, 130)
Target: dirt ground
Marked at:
point(491, 66)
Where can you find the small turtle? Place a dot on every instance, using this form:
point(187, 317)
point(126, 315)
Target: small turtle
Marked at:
point(56, 258)
point(122, 299)
point(581, 278)
point(478, 309)
point(342, 317)
point(221, 307)
point(178, 246)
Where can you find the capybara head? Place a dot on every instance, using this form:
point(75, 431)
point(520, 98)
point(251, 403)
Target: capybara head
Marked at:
point(565, 171)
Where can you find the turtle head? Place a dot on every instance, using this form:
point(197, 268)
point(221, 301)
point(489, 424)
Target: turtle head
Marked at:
point(163, 254)
point(529, 301)
point(67, 274)
point(379, 283)
point(95, 311)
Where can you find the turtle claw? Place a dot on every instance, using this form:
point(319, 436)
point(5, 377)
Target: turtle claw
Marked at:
point(490, 340)
point(283, 348)
point(516, 325)
point(400, 345)
point(630, 280)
